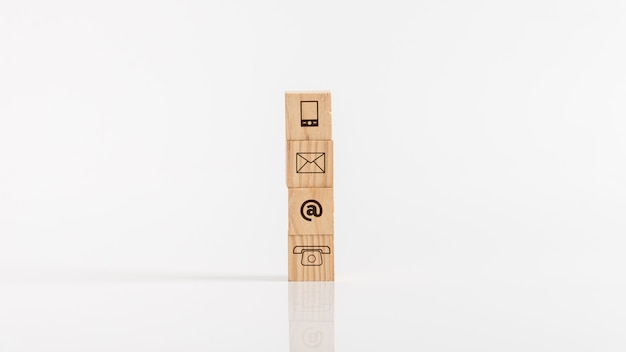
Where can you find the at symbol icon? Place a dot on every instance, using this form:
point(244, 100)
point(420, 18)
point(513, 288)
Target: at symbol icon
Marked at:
point(313, 208)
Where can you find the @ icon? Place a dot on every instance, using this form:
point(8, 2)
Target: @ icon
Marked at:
point(313, 208)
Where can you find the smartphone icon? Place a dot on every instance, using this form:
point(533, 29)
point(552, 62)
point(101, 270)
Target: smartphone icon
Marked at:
point(309, 113)
point(311, 255)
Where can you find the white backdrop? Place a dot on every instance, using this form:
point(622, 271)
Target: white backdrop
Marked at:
point(480, 174)
point(471, 138)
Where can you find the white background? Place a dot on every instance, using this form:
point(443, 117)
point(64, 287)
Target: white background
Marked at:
point(480, 172)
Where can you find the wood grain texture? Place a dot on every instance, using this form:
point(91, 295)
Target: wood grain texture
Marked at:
point(311, 258)
point(309, 174)
point(311, 211)
point(310, 164)
point(308, 116)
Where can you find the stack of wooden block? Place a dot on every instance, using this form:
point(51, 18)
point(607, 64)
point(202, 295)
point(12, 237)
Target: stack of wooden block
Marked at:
point(310, 184)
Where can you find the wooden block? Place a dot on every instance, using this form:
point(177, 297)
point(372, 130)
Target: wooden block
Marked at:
point(308, 116)
point(311, 258)
point(311, 211)
point(310, 164)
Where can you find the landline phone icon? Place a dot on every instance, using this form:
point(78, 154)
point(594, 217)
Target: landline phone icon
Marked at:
point(311, 255)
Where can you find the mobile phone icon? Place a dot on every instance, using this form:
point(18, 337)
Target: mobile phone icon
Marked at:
point(311, 255)
point(309, 113)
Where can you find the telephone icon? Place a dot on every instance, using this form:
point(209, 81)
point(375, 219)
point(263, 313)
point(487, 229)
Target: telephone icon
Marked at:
point(311, 255)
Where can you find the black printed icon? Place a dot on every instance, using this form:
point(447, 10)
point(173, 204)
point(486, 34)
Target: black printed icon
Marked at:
point(311, 255)
point(309, 113)
point(313, 208)
point(311, 163)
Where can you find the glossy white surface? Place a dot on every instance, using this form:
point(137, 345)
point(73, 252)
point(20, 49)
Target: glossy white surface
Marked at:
point(152, 312)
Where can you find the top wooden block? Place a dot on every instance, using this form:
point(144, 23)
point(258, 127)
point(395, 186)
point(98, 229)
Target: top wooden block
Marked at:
point(308, 116)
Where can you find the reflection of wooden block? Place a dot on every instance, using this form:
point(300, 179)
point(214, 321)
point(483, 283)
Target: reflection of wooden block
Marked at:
point(311, 336)
point(308, 116)
point(309, 164)
point(311, 258)
point(311, 211)
point(312, 301)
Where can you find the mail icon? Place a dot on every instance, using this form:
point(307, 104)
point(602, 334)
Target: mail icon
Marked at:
point(311, 163)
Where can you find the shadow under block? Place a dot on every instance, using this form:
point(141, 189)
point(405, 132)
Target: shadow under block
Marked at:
point(310, 164)
point(311, 211)
point(311, 258)
point(308, 116)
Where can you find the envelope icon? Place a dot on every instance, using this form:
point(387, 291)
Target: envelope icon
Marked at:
point(311, 163)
